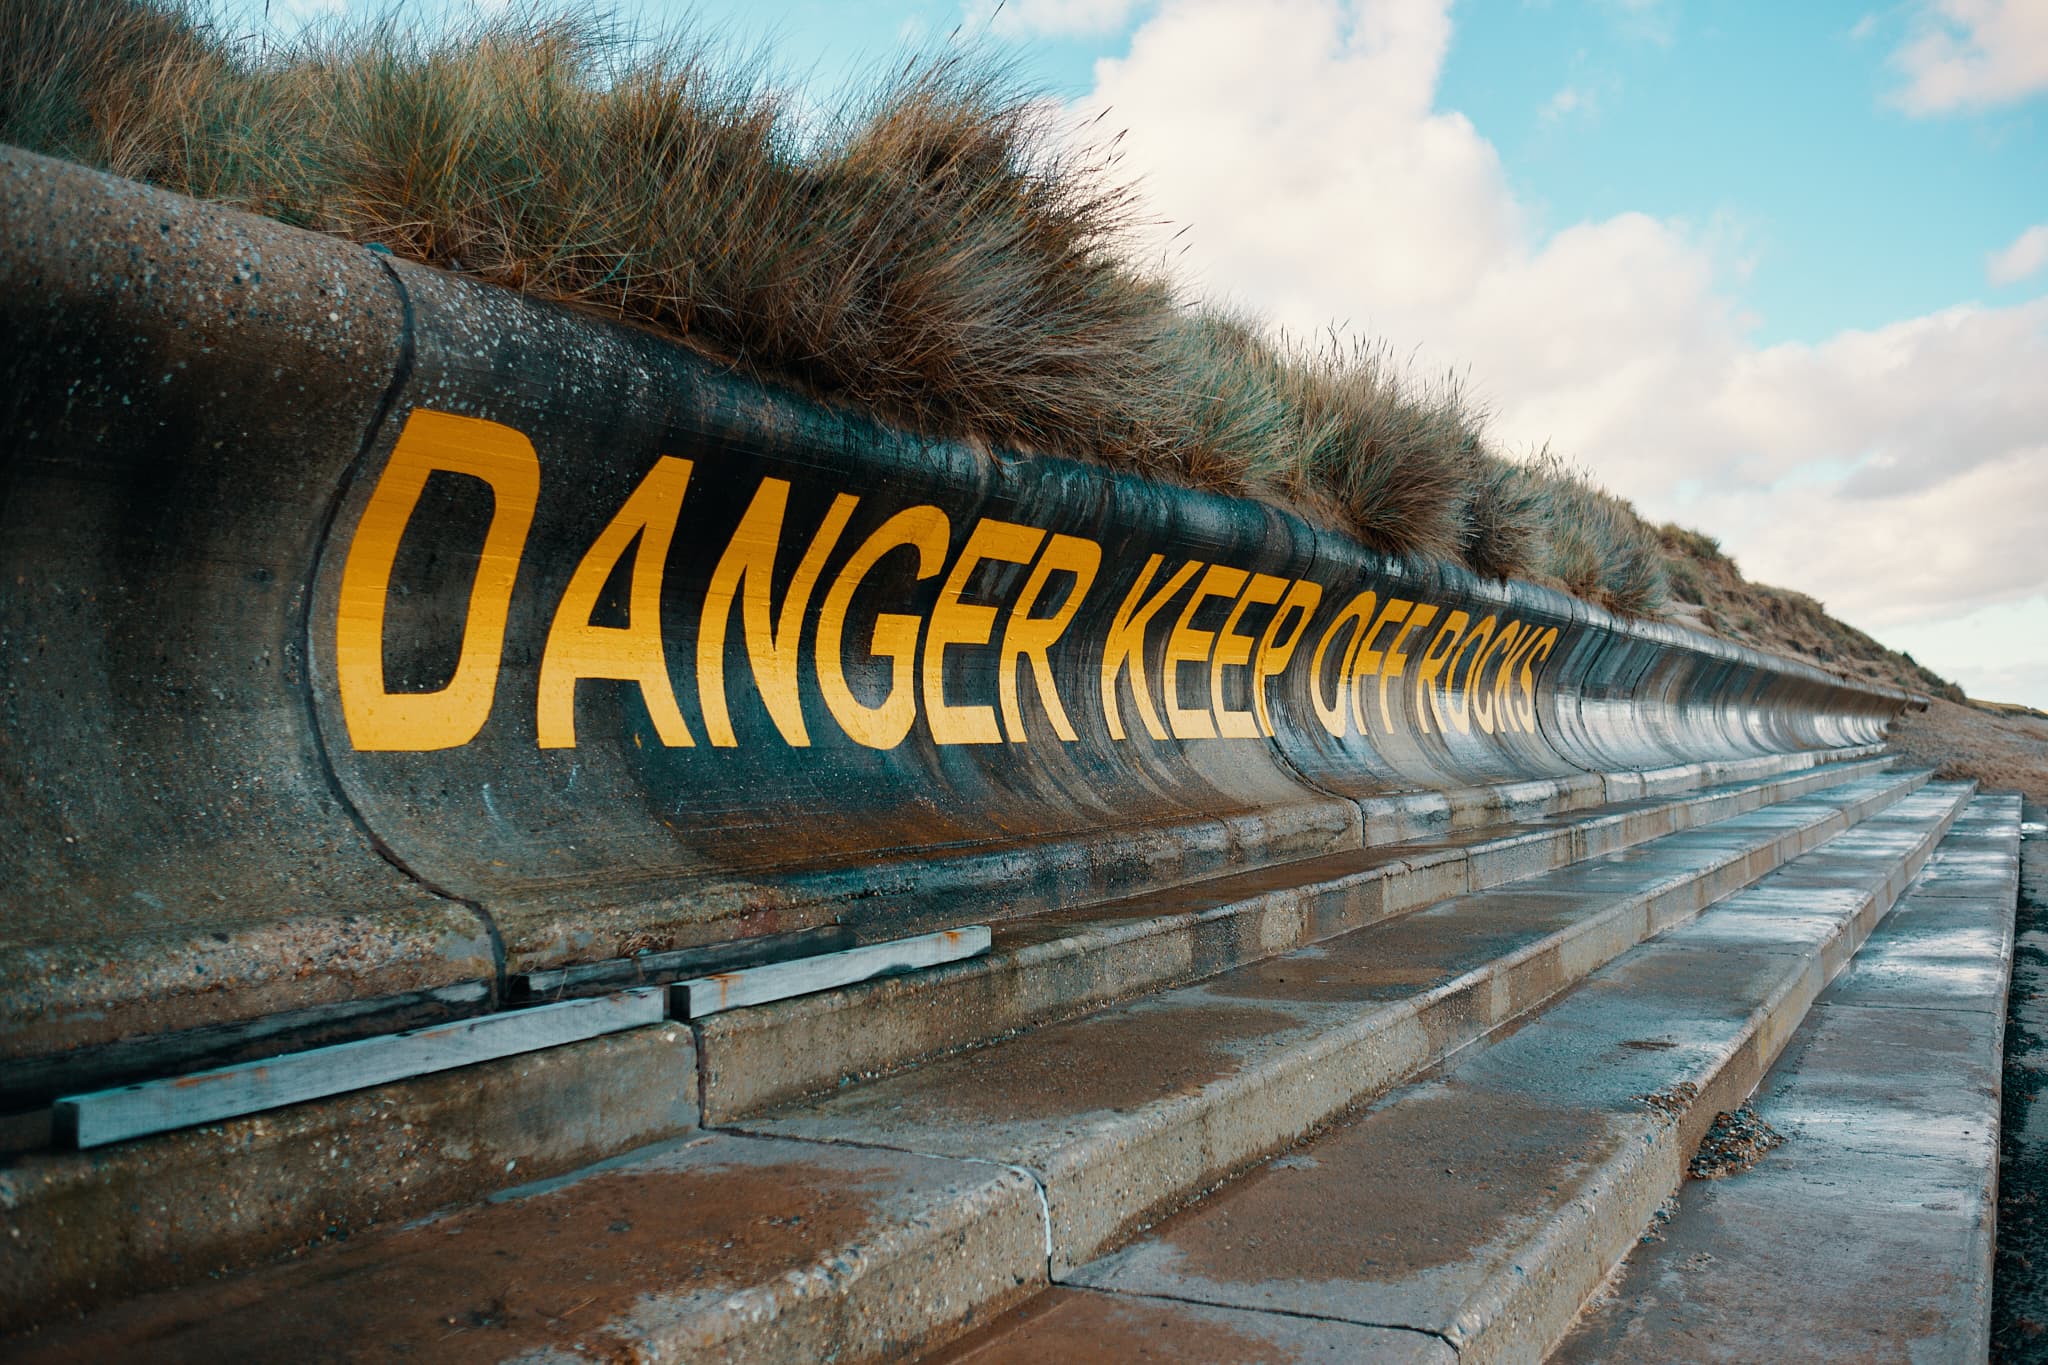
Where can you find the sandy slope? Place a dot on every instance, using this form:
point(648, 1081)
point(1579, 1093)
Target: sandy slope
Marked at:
point(2003, 752)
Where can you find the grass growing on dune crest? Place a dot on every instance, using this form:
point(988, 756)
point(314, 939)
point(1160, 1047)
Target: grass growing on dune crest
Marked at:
point(931, 250)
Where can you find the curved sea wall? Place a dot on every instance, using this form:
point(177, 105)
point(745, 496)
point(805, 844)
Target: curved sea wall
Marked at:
point(372, 636)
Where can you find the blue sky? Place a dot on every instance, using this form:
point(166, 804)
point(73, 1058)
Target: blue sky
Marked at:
point(1768, 124)
point(1772, 120)
point(1776, 271)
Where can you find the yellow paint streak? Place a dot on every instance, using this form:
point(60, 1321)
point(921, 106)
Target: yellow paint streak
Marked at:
point(1032, 637)
point(958, 623)
point(1273, 657)
point(1186, 645)
point(1332, 712)
point(1433, 660)
point(1125, 645)
point(1235, 651)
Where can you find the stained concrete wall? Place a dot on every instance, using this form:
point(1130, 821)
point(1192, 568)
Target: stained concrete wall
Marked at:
point(371, 634)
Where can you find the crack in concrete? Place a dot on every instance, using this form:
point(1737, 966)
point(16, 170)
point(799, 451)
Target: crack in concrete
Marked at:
point(401, 375)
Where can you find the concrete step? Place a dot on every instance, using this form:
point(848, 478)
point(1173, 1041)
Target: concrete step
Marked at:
point(154, 1213)
point(1477, 1210)
point(717, 1248)
point(1047, 968)
point(950, 1192)
point(1124, 1113)
point(1869, 1233)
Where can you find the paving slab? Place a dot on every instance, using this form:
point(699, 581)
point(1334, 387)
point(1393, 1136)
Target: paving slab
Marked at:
point(1126, 1112)
point(1078, 1327)
point(719, 1248)
point(1866, 1236)
point(1484, 1205)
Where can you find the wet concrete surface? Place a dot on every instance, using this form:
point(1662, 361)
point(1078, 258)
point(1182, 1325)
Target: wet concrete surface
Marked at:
point(85, 1227)
point(1397, 1218)
point(2019, 1330)
point(1435, 1207)
point(677, 1254)
point(1053, 967)
point(1125, 1113)
point(1119, 1060)
point(1866, 1235)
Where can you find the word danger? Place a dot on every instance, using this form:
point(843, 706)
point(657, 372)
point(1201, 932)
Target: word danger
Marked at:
point(1151, 664)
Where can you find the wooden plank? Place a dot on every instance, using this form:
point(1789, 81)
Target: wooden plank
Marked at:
point(95, 1119)
point(704, 995)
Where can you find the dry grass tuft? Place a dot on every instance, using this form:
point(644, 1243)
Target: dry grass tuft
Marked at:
point(929, 251)
point(1598, 547)
point(1505, 532)
point(1394, 457)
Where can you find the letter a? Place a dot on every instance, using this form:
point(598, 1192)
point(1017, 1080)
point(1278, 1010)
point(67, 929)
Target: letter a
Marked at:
point(577, 649)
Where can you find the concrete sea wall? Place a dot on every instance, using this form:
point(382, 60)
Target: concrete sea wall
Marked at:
point(370, 636)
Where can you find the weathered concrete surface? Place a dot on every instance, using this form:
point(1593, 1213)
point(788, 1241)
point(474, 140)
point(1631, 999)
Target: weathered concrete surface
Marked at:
point(1131, 1110)
point(1485, 1205)
point(183, 393)
point(1868, 1235)
point(81, 1229)
point(715, 1249)
point(1078, 1327)
point(1058, 966)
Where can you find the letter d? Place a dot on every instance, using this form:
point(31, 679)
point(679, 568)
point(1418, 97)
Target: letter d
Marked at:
point(504, 459)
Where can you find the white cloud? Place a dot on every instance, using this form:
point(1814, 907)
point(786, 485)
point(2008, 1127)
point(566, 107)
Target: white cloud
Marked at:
point(2026, 255)
point(1050, 18)
point(1973, 54)
point(1895, 473)
point(1976, 649)
point(1566, 102)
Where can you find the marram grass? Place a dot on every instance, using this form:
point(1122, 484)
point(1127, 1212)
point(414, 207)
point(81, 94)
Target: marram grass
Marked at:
point(929, 250)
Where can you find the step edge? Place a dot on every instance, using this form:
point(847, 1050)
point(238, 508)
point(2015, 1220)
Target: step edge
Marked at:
point(727, 1101)
point(1982, 1234)
point(1475, 1326)
point(1363, 1035)
point(1114, 1143)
